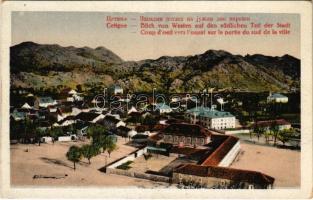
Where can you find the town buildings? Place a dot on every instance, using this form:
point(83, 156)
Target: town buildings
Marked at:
point(280, 124)
point(186, 135)
point(221, 177)
point(44, 102)
point(211, 118)
point(89, 117)
point(168, 132)
point(214, 170)
point(163, 108)
point(277, 98)
point(111, 122)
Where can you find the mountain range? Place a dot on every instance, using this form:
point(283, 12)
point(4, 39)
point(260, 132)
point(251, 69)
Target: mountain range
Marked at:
point(36, 66)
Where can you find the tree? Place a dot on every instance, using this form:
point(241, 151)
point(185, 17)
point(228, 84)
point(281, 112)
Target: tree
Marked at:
point(274, 129)
point(95, 132)
point(40, 133)
point(284, 136)
point(267, 134)
point(89, 151)
point(103, 142)
point(74, 155)
point(111, 146)
point(79, 88)
point(258, 131)
point(55, 133)
point(29, 129)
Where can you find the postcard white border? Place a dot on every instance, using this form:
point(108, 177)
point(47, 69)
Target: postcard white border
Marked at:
point(301, 7)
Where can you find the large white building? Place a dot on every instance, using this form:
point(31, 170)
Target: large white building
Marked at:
point(211, 118)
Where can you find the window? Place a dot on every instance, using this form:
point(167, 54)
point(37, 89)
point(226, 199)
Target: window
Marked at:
point(201, 141)
point(175, 139)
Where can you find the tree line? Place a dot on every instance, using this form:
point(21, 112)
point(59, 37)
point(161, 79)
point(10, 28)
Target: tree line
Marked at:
point(101, 141)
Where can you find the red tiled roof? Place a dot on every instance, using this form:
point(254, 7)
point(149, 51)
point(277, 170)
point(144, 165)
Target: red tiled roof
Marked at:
point(225, 173)
point(188, 151)
point(186, 130)
point(66, 90)
point(65, 109)
point(156, 137)
point(217, 156)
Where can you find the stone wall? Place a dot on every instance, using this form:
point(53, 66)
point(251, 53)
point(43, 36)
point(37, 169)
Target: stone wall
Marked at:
point(207, 182)
point(130, 157)
point(111, 168)
point(233, 132)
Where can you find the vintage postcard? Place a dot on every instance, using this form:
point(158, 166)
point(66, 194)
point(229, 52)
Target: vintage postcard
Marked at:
point(156, 99)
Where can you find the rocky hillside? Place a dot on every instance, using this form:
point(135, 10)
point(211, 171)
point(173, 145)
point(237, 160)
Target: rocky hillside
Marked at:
point(35, 65)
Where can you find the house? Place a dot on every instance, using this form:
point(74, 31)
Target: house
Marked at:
point(89, 117)
point(163, 108)
point(75, 97)
point(46, 139)
point(140, 138)
point(111, 123)
point(145, 114)
point(226, 148)
point(213, 169)
point(116, 89)
point(72, 92)
point(132, 110)
point(277, 98)
point(21, 113)
point(211, 118)
point(221, 177)
point(67, 138)
point(183, 134)
point(26, 106)
point(175, 99)
point(59, 113)
point(18, 115)
point(71, 95)
point(81, 129)
point(125, 131)
point(280, 124)
point(122, 131)
point(64, 110)
point(43, 114)
point(44, 102)
point(52, 108)
point(67, 121)
point(76, 111)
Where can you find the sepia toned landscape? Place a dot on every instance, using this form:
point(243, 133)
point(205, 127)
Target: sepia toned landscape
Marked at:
point(211, 119)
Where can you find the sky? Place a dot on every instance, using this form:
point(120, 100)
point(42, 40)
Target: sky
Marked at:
point(81, 29)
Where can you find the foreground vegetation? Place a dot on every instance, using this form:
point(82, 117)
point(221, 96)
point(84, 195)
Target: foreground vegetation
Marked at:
point(100, 141)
